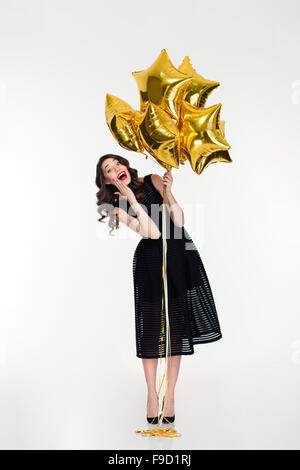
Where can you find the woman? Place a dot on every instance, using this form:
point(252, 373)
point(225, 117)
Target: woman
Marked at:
point(137, 202)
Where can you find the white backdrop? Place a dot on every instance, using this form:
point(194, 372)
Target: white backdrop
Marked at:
point(70, 378)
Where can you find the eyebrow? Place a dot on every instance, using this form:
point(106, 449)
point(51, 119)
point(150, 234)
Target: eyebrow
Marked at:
point(107, 165)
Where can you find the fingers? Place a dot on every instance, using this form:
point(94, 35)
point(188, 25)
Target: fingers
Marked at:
point(120, 186)
point(167, 178)
point(119, 183)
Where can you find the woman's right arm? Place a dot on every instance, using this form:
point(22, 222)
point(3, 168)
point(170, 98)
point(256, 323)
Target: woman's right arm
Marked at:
point(143, 224)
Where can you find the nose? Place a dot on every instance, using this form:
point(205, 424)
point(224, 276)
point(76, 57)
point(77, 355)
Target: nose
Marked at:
point(115, 171)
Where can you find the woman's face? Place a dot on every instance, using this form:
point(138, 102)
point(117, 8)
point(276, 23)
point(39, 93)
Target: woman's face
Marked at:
point(113, 169)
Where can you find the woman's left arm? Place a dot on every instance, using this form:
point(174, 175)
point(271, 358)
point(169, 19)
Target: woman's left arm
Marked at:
point(176, 213)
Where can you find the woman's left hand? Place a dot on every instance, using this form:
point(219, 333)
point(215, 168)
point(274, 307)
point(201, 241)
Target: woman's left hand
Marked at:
point(168, 181)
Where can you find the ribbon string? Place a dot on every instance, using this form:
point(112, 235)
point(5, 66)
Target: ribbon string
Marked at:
point(159, 430)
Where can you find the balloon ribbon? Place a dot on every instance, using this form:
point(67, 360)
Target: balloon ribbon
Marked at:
point(159, 430)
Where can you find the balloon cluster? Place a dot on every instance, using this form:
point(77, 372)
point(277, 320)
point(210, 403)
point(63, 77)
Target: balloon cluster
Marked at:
point(172, 124)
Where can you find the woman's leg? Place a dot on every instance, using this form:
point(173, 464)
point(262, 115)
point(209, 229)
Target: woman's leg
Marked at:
point(150, 368)
point(173, 370)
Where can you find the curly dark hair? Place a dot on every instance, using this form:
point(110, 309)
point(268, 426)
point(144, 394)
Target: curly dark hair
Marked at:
point(106, 197)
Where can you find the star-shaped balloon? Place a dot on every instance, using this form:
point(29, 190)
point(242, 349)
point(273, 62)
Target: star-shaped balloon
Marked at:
point(222, 127)
point(160, 136)
point(197, 91)
point(122, 121)
point(172, 124)
point(201, 139)
point(162, 84)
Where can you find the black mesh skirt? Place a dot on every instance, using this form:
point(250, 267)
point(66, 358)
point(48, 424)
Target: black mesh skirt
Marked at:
point(191, 309)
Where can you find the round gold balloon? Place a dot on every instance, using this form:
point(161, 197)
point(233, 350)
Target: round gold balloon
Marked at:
point(160, 136)
point(122, 121)
point(201, 139)
point(162, 84)
point(199, 88)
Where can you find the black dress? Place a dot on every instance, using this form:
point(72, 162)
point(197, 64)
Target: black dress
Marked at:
point(193, 317)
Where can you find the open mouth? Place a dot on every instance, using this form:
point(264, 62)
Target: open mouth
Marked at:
point(122, 176)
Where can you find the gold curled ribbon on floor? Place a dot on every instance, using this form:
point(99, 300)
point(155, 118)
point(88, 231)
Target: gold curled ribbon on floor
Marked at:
point(159, 430)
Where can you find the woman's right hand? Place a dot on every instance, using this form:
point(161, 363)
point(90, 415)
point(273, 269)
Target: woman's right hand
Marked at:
point(124, 190)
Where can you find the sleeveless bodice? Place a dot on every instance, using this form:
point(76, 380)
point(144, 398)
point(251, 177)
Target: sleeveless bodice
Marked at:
point(153, 204)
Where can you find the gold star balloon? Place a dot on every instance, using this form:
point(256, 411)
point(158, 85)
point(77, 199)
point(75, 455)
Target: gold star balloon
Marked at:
point(160, 136)
point(199, 88)
point(162, 84)
point(222, 127)
point(122, 121)
point(172, 125)
point(201, 139)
